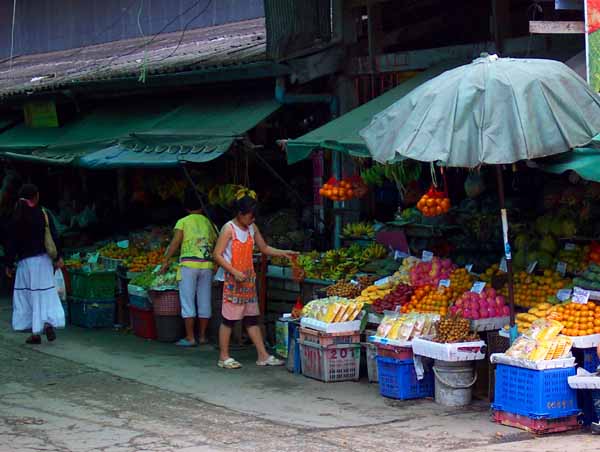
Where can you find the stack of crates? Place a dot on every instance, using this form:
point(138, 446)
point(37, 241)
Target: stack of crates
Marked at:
point(330, 357)
point(92, 301)
point(538, 401)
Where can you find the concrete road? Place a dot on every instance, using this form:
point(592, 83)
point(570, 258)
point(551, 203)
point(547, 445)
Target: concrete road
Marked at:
point(78, 395)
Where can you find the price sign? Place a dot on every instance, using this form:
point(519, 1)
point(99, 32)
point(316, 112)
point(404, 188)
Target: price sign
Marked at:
point(123, 244)
point(580, 295)
point(93, 259)
point(382, 281)
point(427, 256)
point(469, 267)
point(531, 267)
point(444, 283)
point(561, 267)
point(354, 282)
point(563, 294)
point(400, 255)
point(503, 265)
point(478, 287)
point(570, 246)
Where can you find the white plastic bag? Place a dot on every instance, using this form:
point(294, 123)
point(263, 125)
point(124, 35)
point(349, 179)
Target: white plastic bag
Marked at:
point(59, 283)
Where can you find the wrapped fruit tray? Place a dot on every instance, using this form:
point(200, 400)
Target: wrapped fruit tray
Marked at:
point(460, 351)
point(339, 327)
point(501, 358)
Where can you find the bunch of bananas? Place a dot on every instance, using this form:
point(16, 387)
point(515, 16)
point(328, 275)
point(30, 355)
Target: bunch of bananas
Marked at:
point(374, 252)
point(359, 230)
point(401, 173)
point(224, 195)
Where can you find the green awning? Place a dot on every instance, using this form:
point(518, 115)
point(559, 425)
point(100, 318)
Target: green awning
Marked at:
point(195, 132)
point(584, 161)
point(149, 133)
point(341, 134)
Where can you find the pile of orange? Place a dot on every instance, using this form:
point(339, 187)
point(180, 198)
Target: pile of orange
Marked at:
point(343, 191)
point(432, 206)
point(460, 281)
point(531, 290)
point(578, 319)
point(145, 261)
point(429, 299)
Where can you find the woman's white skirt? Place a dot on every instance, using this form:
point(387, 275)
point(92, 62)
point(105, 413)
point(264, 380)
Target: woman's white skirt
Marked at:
point(35, 298)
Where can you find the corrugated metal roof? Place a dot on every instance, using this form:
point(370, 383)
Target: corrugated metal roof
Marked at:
point(232, 44)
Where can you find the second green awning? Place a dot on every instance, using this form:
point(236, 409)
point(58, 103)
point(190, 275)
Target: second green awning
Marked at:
point(341, 134)
point(151, 133)
point(583, 161)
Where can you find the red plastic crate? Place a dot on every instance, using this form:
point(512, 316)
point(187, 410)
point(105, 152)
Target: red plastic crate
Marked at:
point(536, 426)
point(327, 339)
point(142, 322)
point(392, 351)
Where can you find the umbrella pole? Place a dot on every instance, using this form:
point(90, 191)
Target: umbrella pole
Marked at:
point(507, 250)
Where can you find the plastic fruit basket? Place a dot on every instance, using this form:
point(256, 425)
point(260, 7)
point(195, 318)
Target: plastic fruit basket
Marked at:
point(535, 393)
point(398, 380)
point(330, 364)
point(92, 313)
point(93, 285)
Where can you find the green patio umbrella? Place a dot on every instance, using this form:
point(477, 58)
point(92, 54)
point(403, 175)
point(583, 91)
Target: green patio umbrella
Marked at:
point(492, 111)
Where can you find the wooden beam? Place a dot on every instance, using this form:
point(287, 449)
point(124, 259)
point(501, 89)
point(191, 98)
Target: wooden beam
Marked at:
point(556, 27)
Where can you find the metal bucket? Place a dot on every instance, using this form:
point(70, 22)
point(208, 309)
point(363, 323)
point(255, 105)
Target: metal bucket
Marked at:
point(454, 382)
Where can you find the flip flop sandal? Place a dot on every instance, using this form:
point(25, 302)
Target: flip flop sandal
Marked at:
point(229, 363)
point(50, 333)
point(185, 343)
point(34, 340)
point(271, 361)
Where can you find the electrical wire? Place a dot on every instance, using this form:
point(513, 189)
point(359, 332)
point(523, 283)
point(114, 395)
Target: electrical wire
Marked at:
point(12, 35)
point(145, 44)
point(183, 32)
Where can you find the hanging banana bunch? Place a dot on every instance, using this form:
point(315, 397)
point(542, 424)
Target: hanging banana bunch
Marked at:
point(401, 173)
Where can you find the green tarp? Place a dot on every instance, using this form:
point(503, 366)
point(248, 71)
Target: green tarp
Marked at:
point(143, 134)
point(584, 161)
point(341, 134)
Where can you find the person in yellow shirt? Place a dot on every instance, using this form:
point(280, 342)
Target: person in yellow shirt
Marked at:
point(194, 236)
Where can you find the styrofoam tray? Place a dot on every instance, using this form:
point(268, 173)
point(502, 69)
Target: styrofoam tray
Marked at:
point(584, 380)
point(502, 358)
point(593, 340)
point(340, 327)
point(462, 351)
point(385, 341)
point(491, 324)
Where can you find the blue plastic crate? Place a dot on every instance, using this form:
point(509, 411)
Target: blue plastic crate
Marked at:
point(535, 393)
point(139, 302)
point(590, 359)
point(294, 360)
point(398, 379)
point(92, 313)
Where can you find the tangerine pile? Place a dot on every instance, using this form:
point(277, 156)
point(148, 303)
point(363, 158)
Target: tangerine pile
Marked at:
point(531, 290)
point(343, 191)
point(432, 206)
point(429, 299)
point(578, 319)
point(460, 281)
point(145, 261)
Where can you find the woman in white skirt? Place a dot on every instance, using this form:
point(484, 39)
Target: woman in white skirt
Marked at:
point(36, 304)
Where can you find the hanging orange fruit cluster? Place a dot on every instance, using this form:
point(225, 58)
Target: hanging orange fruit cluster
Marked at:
point(344, 190)
point(434, 203)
